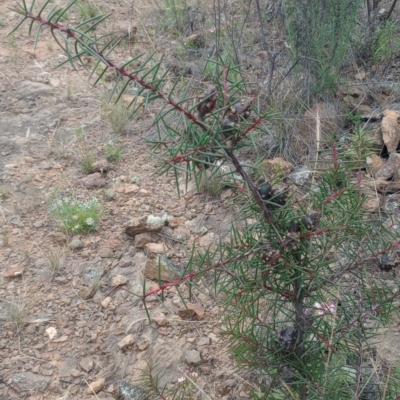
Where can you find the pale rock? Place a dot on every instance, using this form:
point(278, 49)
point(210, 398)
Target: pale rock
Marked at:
point(106, 302)
point(204, 341)
point(360, 75)
point(143, 192)
point(159, 318)
point(375, 163)
point(139, 260)
point(126, 342)
point(373, 135)
point(151, 249)
point(96, 386)
point(193, 357)
point(51, 332)
point(150, 223)
point(391, 130)
point(131, 189)
point(113, 243)
point(118, 280)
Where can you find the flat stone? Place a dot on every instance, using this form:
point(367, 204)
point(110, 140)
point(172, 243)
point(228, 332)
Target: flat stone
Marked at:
point(87, 364)
point(150, 223)
point(118, 280)
point(152, 249)
point(193, 357)
point(28, 381)
point(159, 268)
point(106, 252)
point(106, 302)
point(96, 386)
point(86, 292)
point(391, 130)
point(126, 342)
point(93, 181)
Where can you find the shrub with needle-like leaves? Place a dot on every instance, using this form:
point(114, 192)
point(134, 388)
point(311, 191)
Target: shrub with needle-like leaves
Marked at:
point(302, 280)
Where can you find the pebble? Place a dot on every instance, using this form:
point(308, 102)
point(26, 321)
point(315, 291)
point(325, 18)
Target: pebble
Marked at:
point(118, 280)
point(126, 342)
point(76, 243)
point(193, 357)
point(105, 252)
point(96, 386)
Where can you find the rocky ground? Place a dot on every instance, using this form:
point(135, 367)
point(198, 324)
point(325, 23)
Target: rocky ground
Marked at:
point(69, 323)
point(68, 319)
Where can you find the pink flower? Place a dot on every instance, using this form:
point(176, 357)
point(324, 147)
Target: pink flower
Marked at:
point(323, 308)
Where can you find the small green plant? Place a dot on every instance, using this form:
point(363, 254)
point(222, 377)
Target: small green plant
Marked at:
point(2, 23)
point(4, 193)
point(87, 160)
point(75, 215)
point(113, 151)
point(87, 9)
point(119, 117)
point(387, 39)
point(16, 311)
point(54, 257)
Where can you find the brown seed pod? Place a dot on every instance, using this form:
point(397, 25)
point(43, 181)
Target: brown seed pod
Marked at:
point(230, 126)
point(311, 220)
point(207, 102)
point(385, 263)
point(242, 108)
point(272, 257)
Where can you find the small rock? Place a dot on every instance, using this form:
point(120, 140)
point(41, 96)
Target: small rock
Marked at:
point(159, 318)
point(204, 341)
point(208, 239)
point(142, 239)
point(390, 169)
point(46, 165)
point(93, 181)
point(28, 381)
point(86, 292)
point(13, 272)
point(159, 268)
point(373, 135)
point(131, 189)
point(151, 223)
point(118, 280)
point(151, 249)
point(391, 130)
point(113, 243)
point(193, 357)
point(100, 166)
point(76, 243)
point(86, 364)
point(51, 332)
point(126, 342)
point(192, 311)
point(106, 252)
point(38, 224)
point(106, 302)
point(96, 386)
point(375, 162)
point(131, 392)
